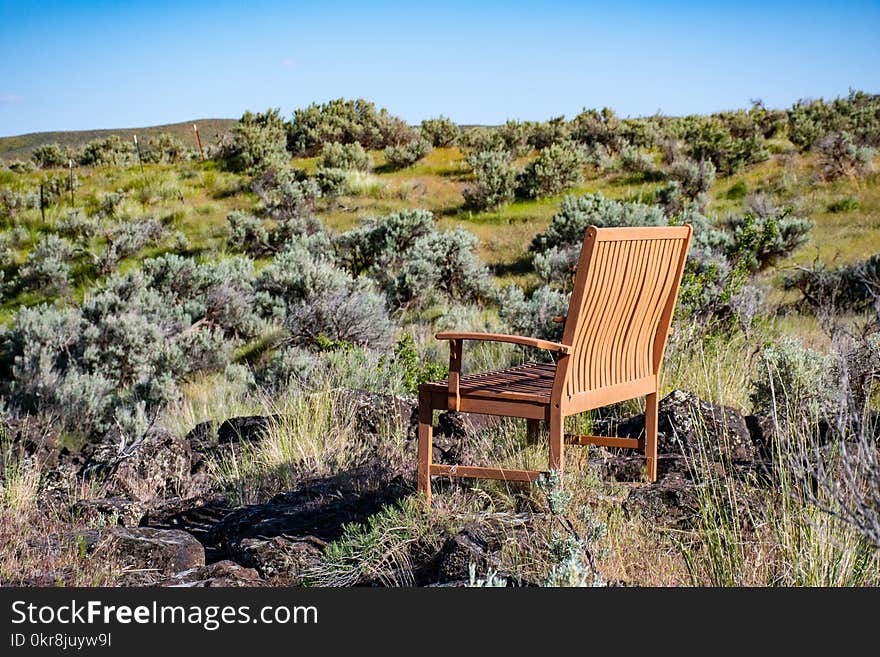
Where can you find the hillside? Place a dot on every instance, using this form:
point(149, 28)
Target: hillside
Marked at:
point(224, 355)
point(20, 147)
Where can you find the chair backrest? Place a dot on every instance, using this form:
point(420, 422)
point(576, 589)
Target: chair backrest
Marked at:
point(624, 295)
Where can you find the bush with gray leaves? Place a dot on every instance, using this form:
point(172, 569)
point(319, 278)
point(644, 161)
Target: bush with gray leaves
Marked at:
point(349, 157)
point(405, 155)
point(495, 180)
point(557, 168)
point(257, 143)
point(441, 132)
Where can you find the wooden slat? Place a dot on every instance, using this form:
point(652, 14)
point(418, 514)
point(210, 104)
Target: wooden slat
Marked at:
point(473, 472)
point(503, 337)
point(605, 441)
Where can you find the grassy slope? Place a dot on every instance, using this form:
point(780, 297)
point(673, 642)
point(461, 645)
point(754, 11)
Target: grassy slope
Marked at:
point(20, 147)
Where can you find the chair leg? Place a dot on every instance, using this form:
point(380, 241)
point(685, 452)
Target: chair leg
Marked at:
point(651, 437)
point(533, 431)
point(556, 439)
point(426, 430)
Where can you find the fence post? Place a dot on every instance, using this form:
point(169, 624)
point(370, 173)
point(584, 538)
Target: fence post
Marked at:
point(199, 141)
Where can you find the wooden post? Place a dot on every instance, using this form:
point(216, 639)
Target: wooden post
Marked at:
point(70, 179)
point(42, 204)
point(199, 141)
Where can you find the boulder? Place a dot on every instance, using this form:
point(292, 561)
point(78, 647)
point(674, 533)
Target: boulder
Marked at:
point(158, 465)
point(684, 420)
point(280, 559)
point(111, 510)
point(472, 545)
point(672, 501)
point(247, 428)
point(161, 551)
point(195, 515)
point(220, 574)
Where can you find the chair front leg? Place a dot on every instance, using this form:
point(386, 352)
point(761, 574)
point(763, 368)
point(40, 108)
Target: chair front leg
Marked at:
point(426, 431)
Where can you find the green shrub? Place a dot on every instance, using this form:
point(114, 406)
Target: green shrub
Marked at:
point(255, 144)
point(708, 138)
point(556, 169)
point(406, 155)
point(495, 183)
point(598, 127)
point(789, 377)
point(845, 204)
point(759, 242)
point(350, 157)
point(554, 131)
point(317, 301)
point(853, 287)
point(48, 266)
point(695, 178)
point(51, 156)
point(441, 132)
point(514, 136)
point(413, 261)
point(164, 147)
point(105, 151)
point(858, 114)
point(126, 238)
point(332, 182)
point(634, 161)
point(405, 360)
point(569, 225)
point(840, 157)
point(344, 121)
point(533, 316)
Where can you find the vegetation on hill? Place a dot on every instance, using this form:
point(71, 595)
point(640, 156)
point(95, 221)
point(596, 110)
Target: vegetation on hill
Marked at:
point(312, 257)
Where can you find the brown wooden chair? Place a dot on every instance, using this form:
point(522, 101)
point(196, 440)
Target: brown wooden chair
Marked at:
point(615, 333)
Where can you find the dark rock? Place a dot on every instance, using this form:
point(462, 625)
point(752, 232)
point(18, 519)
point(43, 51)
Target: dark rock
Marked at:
point(280, 559)
point(687, 425)
point(762, 430)
point(220, 574)
point(202, 436)
point(195, 515)
point(32, 439)
point(163, 551)
point(319, 509)
point(671, 501)
point(472, 545)
point(463, 425)
point(247, 428)
point(158, 465)
point(115, 510)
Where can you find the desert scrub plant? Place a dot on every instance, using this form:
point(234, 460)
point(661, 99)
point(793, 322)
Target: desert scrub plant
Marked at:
point(851, 287)
point(552, 131)
point(793, 381)
point(759, 242)
point(859, 114)
point(316, 300)
point(257, 143)
point(332, 182)
point(407, 154)
point(694, 178)
point(840, 157)
point(105, 151)
point(708, 138)
point(597, 127)
point(534, 315)
point(636, 162)
point(349, 157)
point(49, 266)
point(383, 551)
point(126, 238)
point(413, 261)
point(164, 147)
point(556, 169)
point(77, 226)
point(845, 204)
point(495, 183)
point(442, 132)
point(413, 370)
point(51, 156)
point(514, 136)
point(343, 121)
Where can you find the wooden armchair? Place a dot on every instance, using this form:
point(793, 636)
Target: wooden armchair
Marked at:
point(615, 334)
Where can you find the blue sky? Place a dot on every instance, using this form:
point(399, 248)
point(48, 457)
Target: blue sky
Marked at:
point(82, 65)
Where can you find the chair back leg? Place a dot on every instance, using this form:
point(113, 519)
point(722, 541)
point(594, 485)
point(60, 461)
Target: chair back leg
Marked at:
point(651, 437)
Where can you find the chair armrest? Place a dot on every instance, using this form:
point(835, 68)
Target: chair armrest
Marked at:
point(502, 337)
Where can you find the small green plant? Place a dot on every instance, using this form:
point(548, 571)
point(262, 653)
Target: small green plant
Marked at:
point(845, 204)
point(413, 371)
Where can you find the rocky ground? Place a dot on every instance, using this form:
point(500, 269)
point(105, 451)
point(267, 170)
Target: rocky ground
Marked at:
point(159, 515)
